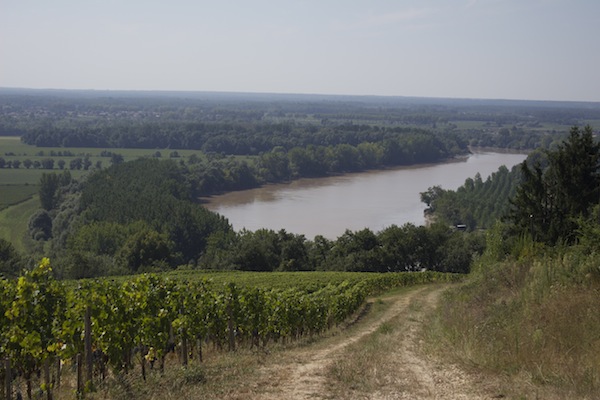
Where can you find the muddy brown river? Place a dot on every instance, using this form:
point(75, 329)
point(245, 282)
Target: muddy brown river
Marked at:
point(374, 199)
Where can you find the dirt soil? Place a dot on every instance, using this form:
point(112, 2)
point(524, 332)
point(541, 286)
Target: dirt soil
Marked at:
point(302, 373)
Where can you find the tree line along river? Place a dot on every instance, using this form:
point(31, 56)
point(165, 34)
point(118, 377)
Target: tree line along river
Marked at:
point(374, 199)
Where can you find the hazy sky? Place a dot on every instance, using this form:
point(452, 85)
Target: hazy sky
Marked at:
point(510, 49)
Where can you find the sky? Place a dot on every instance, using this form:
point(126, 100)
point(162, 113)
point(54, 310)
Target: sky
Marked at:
point(487, 49)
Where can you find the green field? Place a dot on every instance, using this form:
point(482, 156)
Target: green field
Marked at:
point(14, 194)
point(270, 280)
point(11, 148)
point(14, 222)
point(13, 144)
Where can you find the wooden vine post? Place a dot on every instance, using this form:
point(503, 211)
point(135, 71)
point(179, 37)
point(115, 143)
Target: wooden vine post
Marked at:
point(89, 356)
point(47, 380)
point(8, 379)
point(230, 327)
point(79, 376)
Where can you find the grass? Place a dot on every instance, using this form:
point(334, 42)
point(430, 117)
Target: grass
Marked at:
point(536, 317)
point(15, 194)
point(14, 222)
point(12, 144)
point(369, 365)
point(27, 177)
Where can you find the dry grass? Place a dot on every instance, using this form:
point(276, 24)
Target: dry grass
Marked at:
point(221, 375)
point(536, 319)
point(371, 365)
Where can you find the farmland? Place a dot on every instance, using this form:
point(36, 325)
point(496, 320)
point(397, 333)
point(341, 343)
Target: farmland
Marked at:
point(155, 313)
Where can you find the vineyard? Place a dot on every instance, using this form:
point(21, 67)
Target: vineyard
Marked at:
point(98, 328)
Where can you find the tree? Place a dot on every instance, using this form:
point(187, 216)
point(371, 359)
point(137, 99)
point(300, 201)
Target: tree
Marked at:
point(274, 165)
point(61, 164)
point(147, 250)
point(27, 163)
point(530, 212)
point(257, 251)
point(49, 184)
point(549, 203)
point(573, 173)
point(75, 163)
point(294, 253)
point(87, 163)
point(47, 163)
point(11, 261)
point(116, 159)
point(16, 164)
point(40, 225)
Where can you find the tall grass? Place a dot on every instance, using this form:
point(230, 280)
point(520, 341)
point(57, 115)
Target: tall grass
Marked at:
point(536, 314)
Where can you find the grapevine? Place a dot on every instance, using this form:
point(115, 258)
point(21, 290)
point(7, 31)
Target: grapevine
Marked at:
point(138, 320)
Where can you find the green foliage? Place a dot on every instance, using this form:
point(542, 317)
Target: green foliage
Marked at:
point(50, 188)
point(549, 201)
point(11, 262)
point(147, 248)
point(48, 191)
point(395, 249)
point(142, 214)
point(266, 250)
point(40, 225)
point(33, 313)
point(476, 204)
point(42, 318)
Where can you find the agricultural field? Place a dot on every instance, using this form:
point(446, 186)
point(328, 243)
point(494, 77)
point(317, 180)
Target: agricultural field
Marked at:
point(137, 321)
point(11, 149)
point(15, 194)
point(14, 222)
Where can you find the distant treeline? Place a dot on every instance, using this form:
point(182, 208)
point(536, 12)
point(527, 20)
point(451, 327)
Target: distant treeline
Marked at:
point(220, 174)
point(226, 138)
point(255, 138)
point(245, 124)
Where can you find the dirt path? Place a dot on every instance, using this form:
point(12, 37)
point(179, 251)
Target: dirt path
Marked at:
point(301, 374)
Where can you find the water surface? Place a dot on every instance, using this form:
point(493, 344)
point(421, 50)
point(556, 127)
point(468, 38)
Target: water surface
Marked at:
point(374, 199)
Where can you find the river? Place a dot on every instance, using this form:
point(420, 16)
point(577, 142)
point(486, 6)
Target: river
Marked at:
point(374, 199)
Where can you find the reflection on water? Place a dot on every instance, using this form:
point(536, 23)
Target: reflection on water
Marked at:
point(329, 206)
